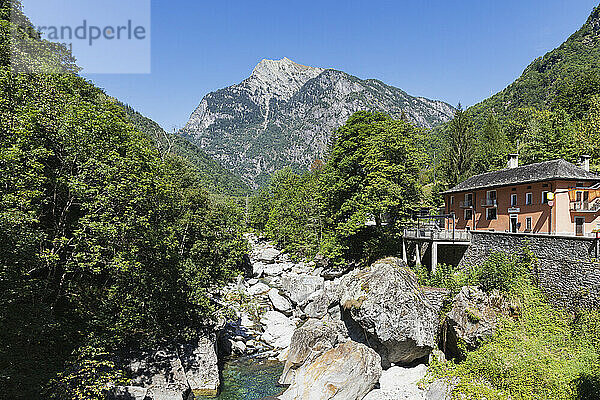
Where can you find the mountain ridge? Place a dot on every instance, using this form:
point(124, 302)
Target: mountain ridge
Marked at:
point(285, 113)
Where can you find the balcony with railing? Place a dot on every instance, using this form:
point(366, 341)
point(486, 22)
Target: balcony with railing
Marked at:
point(585, 206)
point(466, 204)
point(438, 234)
point(585, 199)
point(489, 202)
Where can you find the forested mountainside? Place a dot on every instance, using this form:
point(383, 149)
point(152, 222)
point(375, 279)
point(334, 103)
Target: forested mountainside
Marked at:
point(215, 178)
point(285, 113)
point(104, 241)
point(551, 111)
point(564, 78)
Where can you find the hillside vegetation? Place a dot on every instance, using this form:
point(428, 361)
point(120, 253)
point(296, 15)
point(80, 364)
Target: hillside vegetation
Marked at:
point(551, 111)
point(105, 242)
point(214, 177)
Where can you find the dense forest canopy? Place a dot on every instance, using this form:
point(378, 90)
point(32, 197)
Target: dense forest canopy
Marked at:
point(105, 241)
point(214, 177)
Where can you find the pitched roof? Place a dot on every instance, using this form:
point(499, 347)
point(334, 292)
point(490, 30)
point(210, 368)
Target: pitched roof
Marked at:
point(544, 171)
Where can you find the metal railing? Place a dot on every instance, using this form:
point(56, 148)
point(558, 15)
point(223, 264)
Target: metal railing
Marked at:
point(466, 204)
point(591, 206)
point(437, 234)
point(489, 202)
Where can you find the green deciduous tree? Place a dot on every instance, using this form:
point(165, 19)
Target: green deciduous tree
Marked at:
point(372, 174)
point(460, 148)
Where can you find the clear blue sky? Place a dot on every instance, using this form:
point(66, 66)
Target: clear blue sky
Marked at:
point(449, 50)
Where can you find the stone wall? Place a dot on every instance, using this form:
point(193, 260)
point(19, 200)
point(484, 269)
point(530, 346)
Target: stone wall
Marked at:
point(567, 271)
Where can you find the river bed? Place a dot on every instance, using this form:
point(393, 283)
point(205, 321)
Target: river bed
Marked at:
point(249, 378)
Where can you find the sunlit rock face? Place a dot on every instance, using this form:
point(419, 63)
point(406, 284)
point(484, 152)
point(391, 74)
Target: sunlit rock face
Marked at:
point(346, 372)
point(285, 114)
point(386, 300)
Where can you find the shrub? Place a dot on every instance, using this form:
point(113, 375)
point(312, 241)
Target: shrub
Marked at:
point(541, 355)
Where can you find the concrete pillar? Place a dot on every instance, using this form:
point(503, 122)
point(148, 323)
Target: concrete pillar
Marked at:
point(404, 255)
point(434, 257)
point(418, 254)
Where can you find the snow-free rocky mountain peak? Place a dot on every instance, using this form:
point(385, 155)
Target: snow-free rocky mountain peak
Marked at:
point(285, 113)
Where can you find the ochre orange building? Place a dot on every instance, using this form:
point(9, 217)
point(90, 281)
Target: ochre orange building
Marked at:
point(552, 197)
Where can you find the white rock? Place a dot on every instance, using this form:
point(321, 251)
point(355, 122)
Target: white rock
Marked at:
point(268, 255)
point(238, 347)
point(259, 288)
point(273, 269)
point(298, 287)
point(200, 362)
point(245, 321)
point(257, 269)
point(278, 329)
point(346, 372)
point(279, 302)
point(399, 383)
point(387, 301)
point(283, 354)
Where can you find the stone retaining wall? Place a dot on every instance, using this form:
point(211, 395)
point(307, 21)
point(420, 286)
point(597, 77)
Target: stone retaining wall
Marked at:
point(567, 271)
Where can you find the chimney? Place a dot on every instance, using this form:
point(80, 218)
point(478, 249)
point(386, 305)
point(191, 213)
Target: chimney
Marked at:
point(584, 162)
point(513, 160)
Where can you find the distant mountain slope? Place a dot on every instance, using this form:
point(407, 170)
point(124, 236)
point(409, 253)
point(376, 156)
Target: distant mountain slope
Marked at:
point(564, 77)
point(285, 114)
point(216, 178)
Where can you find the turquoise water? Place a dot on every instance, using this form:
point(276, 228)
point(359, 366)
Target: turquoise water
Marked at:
point(248, 379)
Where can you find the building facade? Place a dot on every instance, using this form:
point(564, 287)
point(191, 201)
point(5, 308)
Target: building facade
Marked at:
point(553, 197)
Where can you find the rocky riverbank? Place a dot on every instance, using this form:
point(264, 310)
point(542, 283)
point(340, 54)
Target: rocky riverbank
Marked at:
point(342, 334)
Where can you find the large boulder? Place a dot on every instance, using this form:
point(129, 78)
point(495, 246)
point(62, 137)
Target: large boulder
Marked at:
point(399, 383)
point(278, 329)
point(346, 372)
point(276, 269)
point(279, 302)
point(299, 287)
point(473, 318)
point(258, 269)
point(386, 300)
point(200, 364)
point(268, 255)
point(128, 393)
point(258, 289)
point(173, 373)
point(320, 301)
point(160, 374)
point(309, 341)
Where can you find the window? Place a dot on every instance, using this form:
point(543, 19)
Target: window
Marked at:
point(468, 214)
point(545, 197)
point(451, 200)
point(513, 200)
point(468, 199)
point(528, 224)
point(490, 198)
point(528, 199)
point(491, 214)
